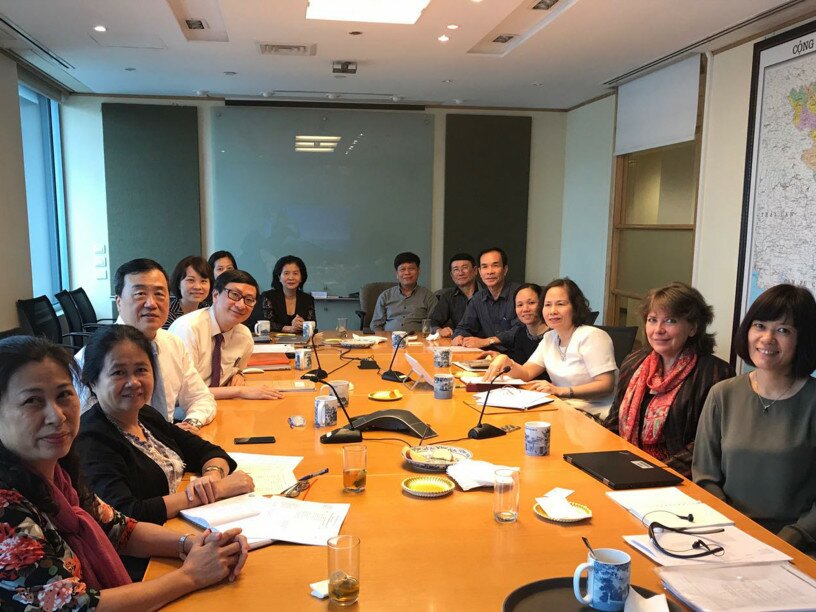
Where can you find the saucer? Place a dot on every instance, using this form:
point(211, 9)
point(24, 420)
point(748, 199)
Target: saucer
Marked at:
point(428, 486)
point(385, 396)
point(580, 507)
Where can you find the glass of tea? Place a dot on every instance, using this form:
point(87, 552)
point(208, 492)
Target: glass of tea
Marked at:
point(344, 569)
point(354, 468)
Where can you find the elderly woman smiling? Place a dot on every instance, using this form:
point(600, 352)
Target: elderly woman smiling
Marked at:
point(133, 458)
point(662, 388)
point(59, 543)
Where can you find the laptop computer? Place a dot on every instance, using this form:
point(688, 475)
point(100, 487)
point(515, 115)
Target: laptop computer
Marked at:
point(622, 470)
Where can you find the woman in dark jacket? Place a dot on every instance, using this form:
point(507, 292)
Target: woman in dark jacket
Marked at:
point(286, 306)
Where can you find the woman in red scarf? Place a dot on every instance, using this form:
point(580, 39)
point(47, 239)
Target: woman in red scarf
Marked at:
point(59, 544)
point(662, 387)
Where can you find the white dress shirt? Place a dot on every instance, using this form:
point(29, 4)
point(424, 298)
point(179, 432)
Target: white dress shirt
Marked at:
point(197, 330)
point(183, 386)
point(588, 354)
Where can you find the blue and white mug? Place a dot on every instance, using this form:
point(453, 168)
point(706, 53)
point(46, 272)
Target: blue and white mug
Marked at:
point(607, 580)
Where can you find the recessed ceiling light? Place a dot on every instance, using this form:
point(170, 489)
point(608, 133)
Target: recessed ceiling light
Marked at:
point(453, 26)
point(230, 73)
point(393, 99)
point(267, 94)
point(332, 96)
point(443, 38)
point(379, 11)
point(537, 84)
point(448, 81)
point(100, 28)
point(458, 101)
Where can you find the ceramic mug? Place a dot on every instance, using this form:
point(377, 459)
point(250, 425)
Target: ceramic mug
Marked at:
point(303, 359)
point(396, 338)
point(607, 580)
point(262, 328)
point(536, 438)
point(308, 329)
point(343, 387)
point(443, 386)
point(442, 357)
point(325, 412)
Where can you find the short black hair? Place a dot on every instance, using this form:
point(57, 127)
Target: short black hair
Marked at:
point(199, 264)
point(220, 254)
point(102, 342)
point(278, 270)
point(135, 266)
point(580, 305)
point(235, 276)
point(461, 257)
point(790, 303)
point(499, 250)
point(407, 257)
point(536, 288)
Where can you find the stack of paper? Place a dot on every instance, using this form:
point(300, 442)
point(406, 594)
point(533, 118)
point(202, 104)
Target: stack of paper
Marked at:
point(261, 349)
point(470, 474)
point(272, 474)
point(663, 505)
point(741, 588)
point(500, 381)
point(266, 519)
point(511, 397)
point(373, 339)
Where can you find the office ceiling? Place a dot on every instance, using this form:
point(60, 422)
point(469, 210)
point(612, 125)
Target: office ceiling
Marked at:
point(560, 58)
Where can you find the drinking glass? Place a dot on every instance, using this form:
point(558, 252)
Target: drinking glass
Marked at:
point(344, 569)
point(506, 495)
point(354, 468)
point(342, 326)
point(426, 327)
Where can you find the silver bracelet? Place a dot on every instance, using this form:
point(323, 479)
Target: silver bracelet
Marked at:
point(181, 542)
point(213, 468)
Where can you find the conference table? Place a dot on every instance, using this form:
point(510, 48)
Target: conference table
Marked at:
point(429, 554)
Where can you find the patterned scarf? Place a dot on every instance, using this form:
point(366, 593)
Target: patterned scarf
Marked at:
point(101, 566)
point(664, 388)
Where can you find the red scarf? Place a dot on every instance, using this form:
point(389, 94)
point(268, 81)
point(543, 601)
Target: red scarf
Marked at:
point(664, 389)
point(101, 567)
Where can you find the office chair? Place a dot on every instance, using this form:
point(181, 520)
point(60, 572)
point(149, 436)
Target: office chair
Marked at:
point(71, 313)
point(87, 313)
point(593, 316)
point(623, 339)
point(38, 318)
point(368, 300)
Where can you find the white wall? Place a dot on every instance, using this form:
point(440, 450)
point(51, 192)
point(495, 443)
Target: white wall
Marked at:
point(585, 227)
point(14, 248)
point(722, 170)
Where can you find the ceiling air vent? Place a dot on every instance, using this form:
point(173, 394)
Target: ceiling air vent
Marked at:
point(341, 67)
point(196, 24)
point(297, 50)
point(504, 38)
point(544, 5)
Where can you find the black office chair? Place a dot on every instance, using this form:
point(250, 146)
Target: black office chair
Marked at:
point(623, 339)
point(71, 314)
point(368, 300)
point(593, 316)
point(14, 331)
point(38, 318)
point(87, 313)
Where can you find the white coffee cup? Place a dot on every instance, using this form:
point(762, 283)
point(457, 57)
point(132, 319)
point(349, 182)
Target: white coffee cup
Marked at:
point(343, 390)
point(442, 357)
point(325, 413)
point(308, 329)
point(303, 359)
point(536, 438)
point(443, 385)
point(397, 338)
point(262, 328)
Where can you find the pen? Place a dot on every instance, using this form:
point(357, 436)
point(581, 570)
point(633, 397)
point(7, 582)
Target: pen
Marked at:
point(310, 476)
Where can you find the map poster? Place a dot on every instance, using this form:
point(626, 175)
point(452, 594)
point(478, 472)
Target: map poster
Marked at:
point(778, 236)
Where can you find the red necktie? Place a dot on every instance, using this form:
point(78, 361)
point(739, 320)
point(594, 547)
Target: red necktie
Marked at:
point(215, 378)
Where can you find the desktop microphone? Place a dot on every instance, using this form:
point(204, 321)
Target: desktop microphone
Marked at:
point(482, 432)
point(318, 374)
point(391, 374)
point(343, 435)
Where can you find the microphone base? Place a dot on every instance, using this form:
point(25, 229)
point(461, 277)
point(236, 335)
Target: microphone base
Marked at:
point(484, 431)
point(315, 375)
point(394, 376)
point(342, 436)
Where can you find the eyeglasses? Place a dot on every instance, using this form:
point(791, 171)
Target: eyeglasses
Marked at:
point(694, 547)
point(237, 296)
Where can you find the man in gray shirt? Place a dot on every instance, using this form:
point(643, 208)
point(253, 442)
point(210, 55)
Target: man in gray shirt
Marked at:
point(403, 307)
point(453, 300)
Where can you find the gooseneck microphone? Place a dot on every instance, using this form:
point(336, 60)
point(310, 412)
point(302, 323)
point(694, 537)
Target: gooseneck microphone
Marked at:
point(482, 432)
point(391, 374)
point(319, 373)
point(342, 435)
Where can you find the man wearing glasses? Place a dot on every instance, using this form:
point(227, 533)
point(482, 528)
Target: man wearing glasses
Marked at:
point(452, 301)
point(219, 345)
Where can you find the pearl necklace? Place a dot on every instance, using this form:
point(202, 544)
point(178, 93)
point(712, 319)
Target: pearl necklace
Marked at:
point(755, 387)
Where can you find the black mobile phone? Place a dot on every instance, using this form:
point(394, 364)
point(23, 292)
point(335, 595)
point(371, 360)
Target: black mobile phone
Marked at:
point(255, 440)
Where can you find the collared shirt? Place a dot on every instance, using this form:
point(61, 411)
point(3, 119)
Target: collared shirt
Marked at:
point(197, 329)
point(395, 311)
point(450, 308)
point(183, 385)
point(485, 317)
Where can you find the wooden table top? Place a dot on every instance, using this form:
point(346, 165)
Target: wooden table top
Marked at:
point(450, 550)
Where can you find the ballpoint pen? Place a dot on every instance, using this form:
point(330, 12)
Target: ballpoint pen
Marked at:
point(310, 476)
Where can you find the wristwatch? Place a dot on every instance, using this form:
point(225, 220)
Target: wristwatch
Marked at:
point(194, 422)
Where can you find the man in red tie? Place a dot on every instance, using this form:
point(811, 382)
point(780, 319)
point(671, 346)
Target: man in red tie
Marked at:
point(219, 345)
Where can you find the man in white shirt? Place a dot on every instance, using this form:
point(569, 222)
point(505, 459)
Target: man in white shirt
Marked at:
point(219, 345)
point(143, 299)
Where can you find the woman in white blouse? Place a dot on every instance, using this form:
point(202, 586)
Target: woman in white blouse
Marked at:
point(579, 359)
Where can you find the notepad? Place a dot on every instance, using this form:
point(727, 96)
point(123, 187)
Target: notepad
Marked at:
point(663, 504)
point(264, 520)
point(272, 474)
point(510, 397)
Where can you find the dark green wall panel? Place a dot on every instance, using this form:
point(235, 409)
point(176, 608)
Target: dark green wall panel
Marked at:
point(151, 182)
point(487, 178)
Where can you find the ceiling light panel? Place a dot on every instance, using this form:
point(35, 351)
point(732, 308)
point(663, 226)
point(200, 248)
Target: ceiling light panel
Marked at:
point(199, 20)
point(369, 11)
point(316, 144)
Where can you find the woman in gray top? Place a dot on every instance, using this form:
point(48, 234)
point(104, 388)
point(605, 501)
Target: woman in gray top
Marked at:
point(756, 440)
